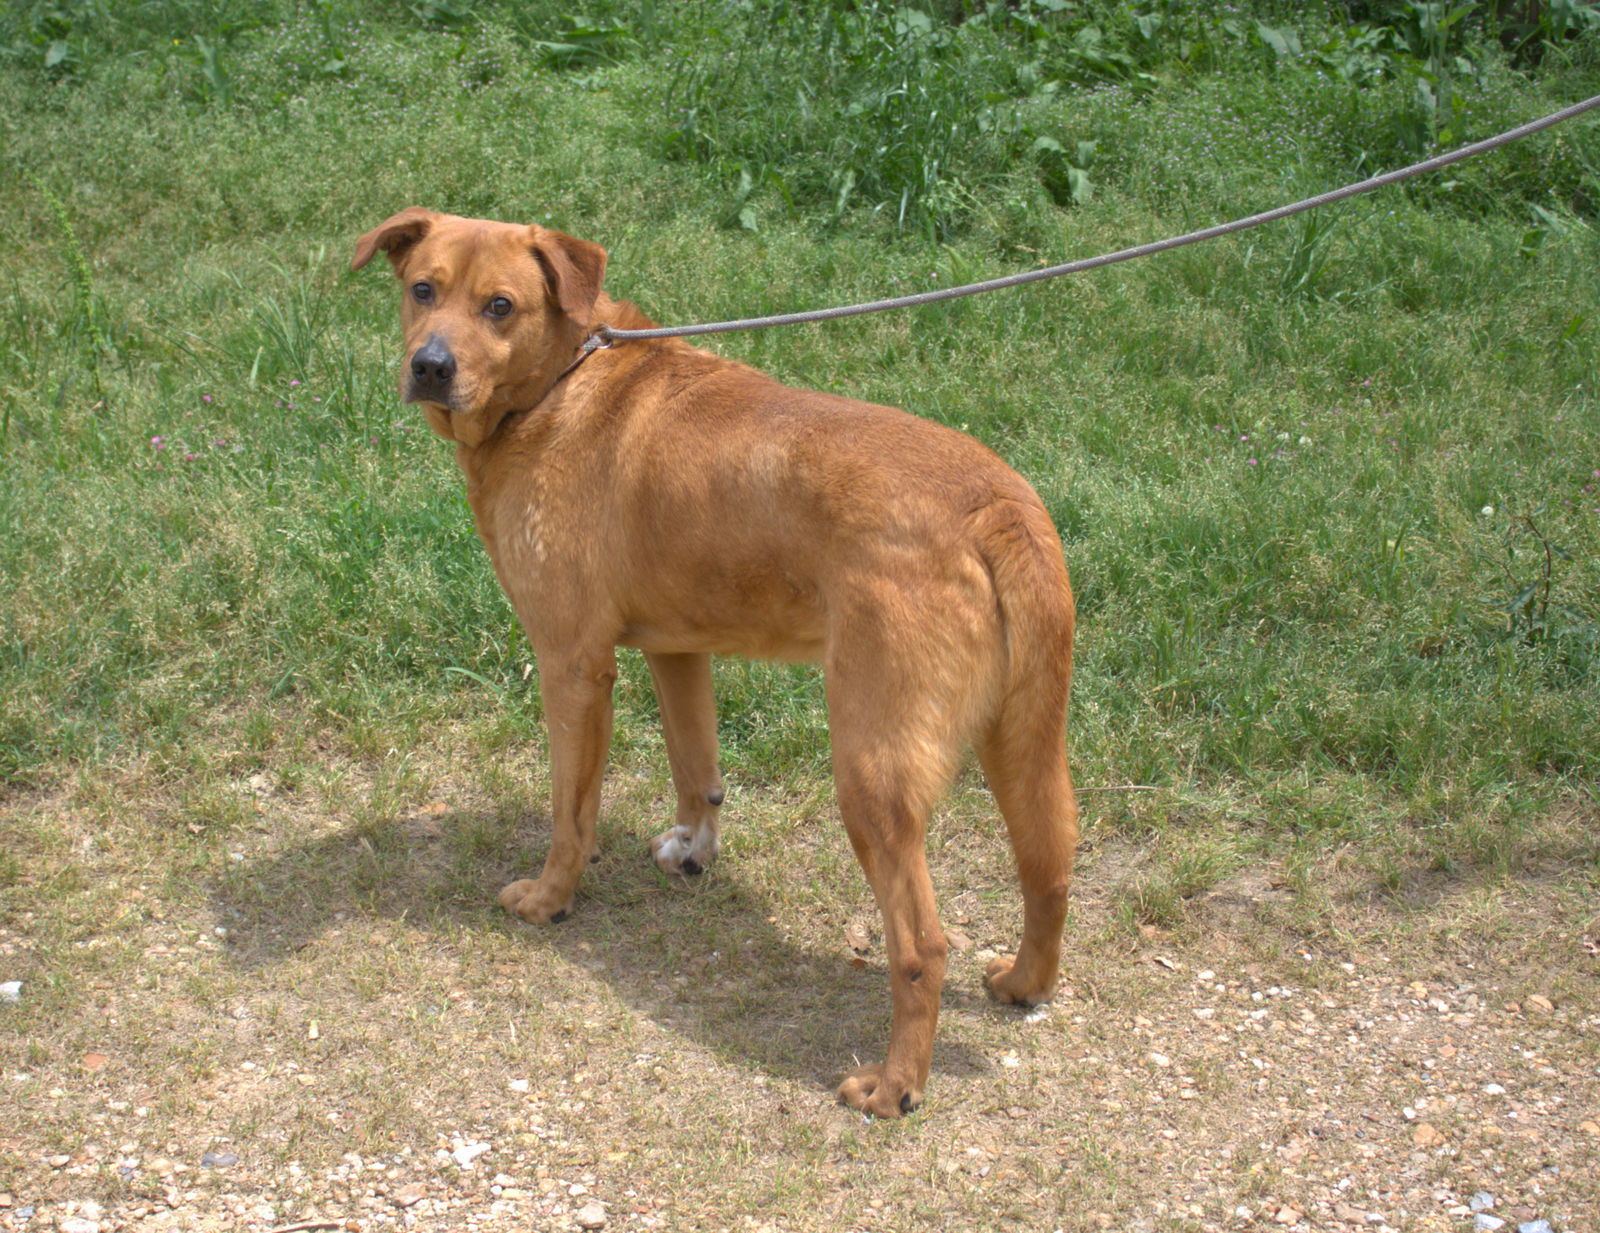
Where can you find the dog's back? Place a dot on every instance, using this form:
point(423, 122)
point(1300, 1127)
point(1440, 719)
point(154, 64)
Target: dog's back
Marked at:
point(745, 515)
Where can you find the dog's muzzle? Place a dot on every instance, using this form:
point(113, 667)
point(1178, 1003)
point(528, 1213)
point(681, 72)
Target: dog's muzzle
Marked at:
point(433, 369)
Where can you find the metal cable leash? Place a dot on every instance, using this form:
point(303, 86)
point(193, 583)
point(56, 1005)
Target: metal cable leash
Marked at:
point(604, 335)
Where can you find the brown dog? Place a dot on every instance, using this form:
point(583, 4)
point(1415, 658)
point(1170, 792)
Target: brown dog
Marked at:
point(656, 496)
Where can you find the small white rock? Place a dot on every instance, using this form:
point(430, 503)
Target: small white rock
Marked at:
point(519, 1085)
point(590, 1216)
point(1493, 1089)
point(467, 1153)
point(11, 991)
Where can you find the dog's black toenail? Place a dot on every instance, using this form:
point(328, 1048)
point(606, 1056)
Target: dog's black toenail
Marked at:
point(907, 1104)
point(559, 917)
point(691, 866)
point(595, 859)
point(714, 797)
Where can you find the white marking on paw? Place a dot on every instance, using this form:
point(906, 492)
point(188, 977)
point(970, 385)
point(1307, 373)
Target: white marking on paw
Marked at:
point(685, 845)
point(675, 845)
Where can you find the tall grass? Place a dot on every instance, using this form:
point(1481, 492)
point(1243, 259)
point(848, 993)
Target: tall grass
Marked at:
point(1330, 492)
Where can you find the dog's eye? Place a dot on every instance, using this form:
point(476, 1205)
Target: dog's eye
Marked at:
point(499, 307)
point(422, 293)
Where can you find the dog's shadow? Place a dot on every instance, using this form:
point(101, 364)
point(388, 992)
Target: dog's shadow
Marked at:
point(705, 958)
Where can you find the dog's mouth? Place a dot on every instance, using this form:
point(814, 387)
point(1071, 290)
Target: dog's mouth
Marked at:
point(432, 397)
point(452, 399)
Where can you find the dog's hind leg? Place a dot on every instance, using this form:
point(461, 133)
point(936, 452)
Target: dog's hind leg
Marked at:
point(1024, 758)
point(896, 734)
point(576, 689)
point(689, 722)
point(887, 825)
point(1022, 741)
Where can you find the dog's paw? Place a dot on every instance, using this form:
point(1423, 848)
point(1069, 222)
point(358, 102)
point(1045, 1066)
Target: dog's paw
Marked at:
point(532, 900)
point(1007, 984)
point(680, 850)
point(865, 1088)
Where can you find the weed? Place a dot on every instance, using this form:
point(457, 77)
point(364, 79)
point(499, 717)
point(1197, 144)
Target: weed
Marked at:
point(214, 85)
point(911, 114)
point(1309, 267)
point(583, 44)
point(1066, 175)
point(1530, 566)
point(87, 323)
point(286, 333)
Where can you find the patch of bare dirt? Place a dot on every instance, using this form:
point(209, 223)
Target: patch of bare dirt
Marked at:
point(318, 1024)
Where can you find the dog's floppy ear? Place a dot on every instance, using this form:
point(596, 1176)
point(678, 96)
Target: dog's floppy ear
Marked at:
point(574, 269)
point(394, 236)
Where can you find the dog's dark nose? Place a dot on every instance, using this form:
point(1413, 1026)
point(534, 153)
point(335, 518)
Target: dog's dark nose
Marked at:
point(432, 368)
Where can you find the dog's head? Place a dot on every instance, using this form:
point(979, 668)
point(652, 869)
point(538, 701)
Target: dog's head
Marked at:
point(492, 312)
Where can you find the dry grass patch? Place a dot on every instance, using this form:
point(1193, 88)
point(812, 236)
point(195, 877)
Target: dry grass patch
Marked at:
point(308, 1007)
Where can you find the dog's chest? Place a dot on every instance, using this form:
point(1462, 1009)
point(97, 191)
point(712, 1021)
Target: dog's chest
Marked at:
point(521, 529)
point(524, 539)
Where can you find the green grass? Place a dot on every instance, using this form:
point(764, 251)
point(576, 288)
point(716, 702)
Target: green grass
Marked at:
point(1307, 477)
point(1330, 490)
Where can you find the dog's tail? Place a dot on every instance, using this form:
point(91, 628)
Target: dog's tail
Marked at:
point(1023, 555)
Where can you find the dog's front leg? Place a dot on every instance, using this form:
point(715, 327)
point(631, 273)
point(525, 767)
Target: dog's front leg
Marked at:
point(576, 688)
point(689, 721)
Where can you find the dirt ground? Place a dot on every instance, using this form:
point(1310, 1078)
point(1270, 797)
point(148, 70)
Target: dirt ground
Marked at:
point(302, 1023)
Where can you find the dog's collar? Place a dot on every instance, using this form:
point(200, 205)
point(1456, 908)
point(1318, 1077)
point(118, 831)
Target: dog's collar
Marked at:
point(595, 342)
